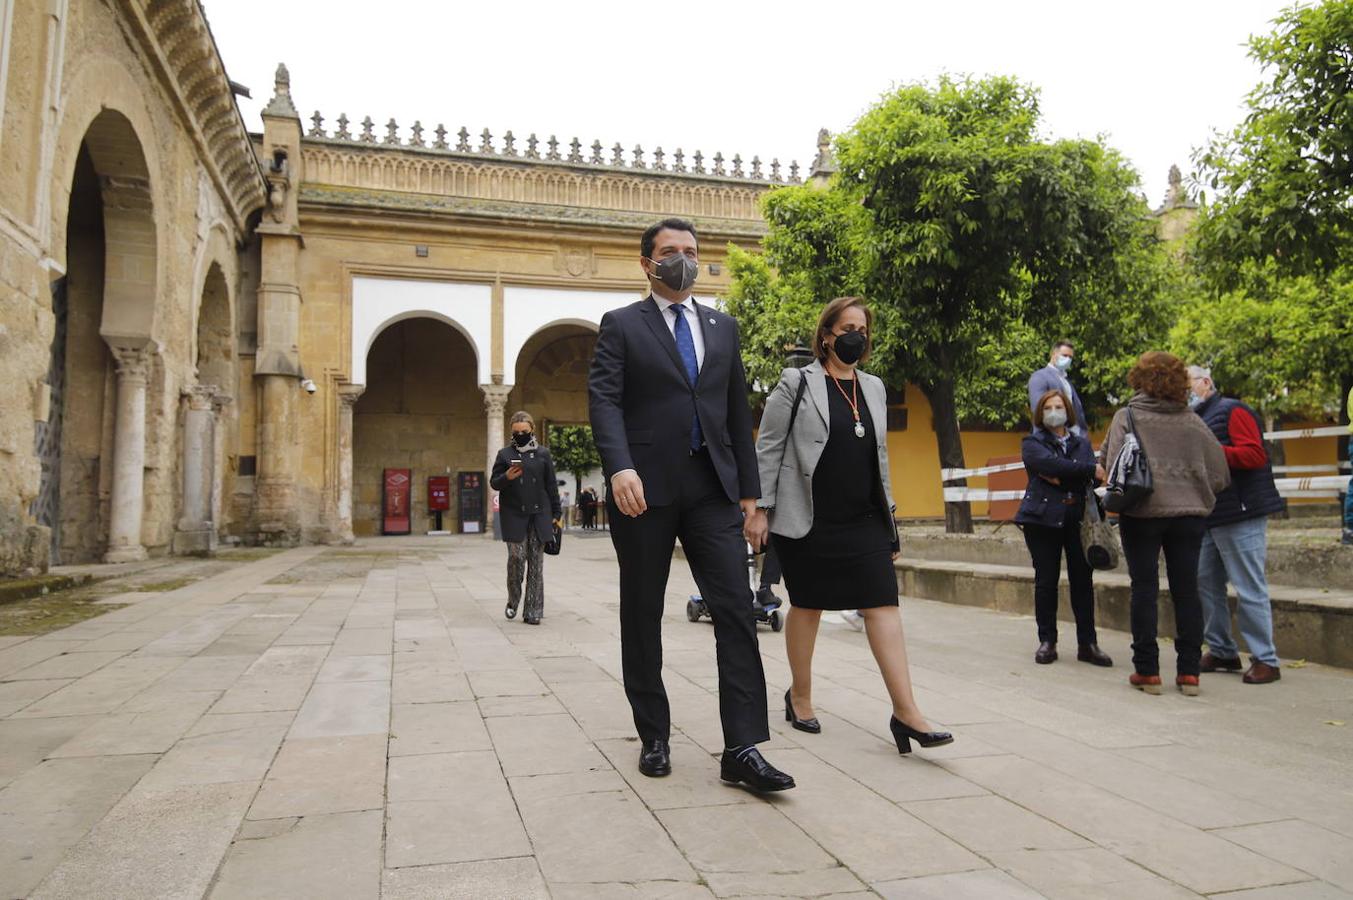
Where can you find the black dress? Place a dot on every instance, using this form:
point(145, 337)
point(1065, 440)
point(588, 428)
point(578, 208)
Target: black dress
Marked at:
point(845, 560)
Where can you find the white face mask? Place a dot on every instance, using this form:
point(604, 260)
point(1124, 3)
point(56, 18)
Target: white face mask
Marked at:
point(1054, 418)
point(1062, 363)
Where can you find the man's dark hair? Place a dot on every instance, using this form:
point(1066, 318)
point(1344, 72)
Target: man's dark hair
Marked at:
point(651, 234)
point(1060, 344)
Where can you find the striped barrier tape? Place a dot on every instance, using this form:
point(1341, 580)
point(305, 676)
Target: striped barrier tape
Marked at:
point(1303, 488)
point(954, 474)
point(1298, 433)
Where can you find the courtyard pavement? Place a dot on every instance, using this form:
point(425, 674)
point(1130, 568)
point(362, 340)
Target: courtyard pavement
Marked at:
point(363, 722)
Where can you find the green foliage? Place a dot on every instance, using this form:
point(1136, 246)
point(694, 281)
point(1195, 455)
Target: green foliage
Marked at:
point(1283, 179)
point(1273, 245)
point(1280, 344)
point(976, 244)
point(572, 449)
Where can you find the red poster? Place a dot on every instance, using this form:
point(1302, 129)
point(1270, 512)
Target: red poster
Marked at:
point(439, 492)
point(395, 510)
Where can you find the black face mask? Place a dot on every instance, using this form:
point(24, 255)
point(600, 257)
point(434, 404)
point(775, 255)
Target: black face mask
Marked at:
point(849, 346)
point(521, 438)
point(677, 272)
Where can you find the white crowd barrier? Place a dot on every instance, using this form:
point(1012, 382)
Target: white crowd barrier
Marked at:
point(1320, 486)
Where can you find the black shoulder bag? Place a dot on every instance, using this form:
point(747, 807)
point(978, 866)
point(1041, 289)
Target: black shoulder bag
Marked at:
point(1130, 477)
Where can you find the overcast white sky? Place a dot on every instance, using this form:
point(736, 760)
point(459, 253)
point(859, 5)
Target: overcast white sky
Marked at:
point(752, 78)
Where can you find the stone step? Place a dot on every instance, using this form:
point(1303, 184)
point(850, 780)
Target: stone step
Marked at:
point(1309, 560)
point(1309, 623)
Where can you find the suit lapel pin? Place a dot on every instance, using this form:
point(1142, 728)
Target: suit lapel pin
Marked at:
point(711, 321)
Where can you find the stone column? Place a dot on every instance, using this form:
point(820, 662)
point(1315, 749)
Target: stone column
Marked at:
point(217, 499)
point(133, 360)
point(347, 399)
point(196, 531)
point(495, 399)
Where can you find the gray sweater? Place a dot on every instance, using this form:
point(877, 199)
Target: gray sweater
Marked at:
point(1188, 467)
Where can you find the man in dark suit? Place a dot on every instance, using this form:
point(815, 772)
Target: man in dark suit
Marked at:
point(1052, 377)
point(668, 401)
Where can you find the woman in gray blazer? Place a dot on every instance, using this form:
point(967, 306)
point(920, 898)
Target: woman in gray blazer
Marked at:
point(826, 503)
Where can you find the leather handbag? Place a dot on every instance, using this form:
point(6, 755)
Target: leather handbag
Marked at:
point(1098, 541)
point(1130, 476)
point(556, 541)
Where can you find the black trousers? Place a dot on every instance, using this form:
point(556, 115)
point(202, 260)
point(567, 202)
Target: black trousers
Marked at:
point(710, 529)
point(1143, 540)
point(1046, 547)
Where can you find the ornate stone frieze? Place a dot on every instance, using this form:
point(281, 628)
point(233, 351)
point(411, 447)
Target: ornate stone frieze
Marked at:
point(175, 35)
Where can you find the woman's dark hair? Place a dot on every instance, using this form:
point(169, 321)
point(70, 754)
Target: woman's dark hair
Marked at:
point(1043, 401)
point(651, 234)
point(827, 321)
point(1161, 375)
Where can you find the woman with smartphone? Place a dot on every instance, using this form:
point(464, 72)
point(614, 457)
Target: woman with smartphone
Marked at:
point(528, 512)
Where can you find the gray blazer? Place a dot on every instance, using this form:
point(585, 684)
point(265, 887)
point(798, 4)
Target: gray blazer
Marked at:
point(787, 462)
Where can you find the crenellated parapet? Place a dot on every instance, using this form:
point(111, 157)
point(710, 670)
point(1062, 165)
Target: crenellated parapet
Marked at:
point(547, 178)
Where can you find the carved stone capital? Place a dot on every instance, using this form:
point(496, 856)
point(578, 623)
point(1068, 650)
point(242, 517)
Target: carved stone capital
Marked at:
point(348, 394)
point(495, 397)
point(125, 192)
point(200, 397)
point(133, 360)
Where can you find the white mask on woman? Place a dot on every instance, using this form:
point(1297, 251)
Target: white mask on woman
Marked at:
point(1054, 418)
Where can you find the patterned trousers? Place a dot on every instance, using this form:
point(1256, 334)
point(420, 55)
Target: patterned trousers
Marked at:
point(527, 558)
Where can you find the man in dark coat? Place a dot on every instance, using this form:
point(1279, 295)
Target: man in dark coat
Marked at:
point(668, 402)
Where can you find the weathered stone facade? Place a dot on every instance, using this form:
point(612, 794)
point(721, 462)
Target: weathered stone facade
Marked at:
point(127, 184)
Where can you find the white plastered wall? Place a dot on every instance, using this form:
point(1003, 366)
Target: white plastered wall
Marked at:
point(378, 303)
point(528, 310)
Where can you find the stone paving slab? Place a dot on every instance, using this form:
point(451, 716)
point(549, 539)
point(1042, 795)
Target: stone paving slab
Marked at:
point(363, 722)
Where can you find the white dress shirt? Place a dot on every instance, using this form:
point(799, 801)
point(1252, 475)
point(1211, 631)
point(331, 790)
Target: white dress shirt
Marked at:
point(687, 308)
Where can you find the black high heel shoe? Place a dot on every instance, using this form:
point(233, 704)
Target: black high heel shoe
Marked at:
point(812, 726)
point(904, 733)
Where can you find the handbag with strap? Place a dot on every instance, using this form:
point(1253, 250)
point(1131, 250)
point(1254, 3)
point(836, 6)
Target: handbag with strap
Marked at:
point(555, 543)
point(1097, 538)
point(794, 412)
point(1130, 475)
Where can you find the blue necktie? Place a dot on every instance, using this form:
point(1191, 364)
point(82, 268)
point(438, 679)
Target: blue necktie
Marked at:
point(686, 347)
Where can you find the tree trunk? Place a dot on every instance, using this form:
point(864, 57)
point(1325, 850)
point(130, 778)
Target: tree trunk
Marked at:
point(940, 393)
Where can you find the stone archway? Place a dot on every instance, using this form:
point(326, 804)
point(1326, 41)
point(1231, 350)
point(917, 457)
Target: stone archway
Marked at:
point(551, 376)
point(92, 445)
point(551, 381)
point(421, 410)
point(203, 404)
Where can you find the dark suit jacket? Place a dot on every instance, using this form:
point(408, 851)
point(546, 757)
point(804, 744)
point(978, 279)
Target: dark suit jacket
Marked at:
point(641, 402)
point(531, 499)
point(1047, 379)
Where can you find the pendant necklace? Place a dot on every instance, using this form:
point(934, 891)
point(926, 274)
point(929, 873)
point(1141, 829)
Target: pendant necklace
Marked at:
point(851, 398)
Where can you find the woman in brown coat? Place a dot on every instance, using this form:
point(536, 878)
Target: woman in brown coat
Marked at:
point(1188, 469)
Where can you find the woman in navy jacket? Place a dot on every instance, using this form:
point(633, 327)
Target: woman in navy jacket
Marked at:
point(1061, 469)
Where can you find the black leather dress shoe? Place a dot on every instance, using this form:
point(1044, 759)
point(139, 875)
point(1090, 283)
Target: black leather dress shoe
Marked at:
point(749, 767)
point(1093, 655)
point(1046, 653)
point(655, 759)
